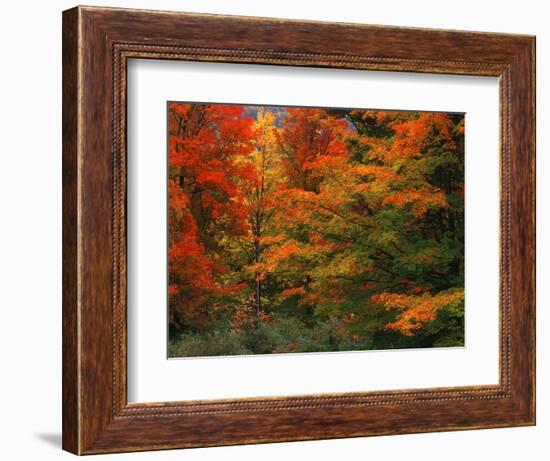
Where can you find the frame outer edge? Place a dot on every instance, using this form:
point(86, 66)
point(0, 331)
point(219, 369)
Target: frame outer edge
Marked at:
point(523, 235)
point(90, 418)
point(70, 210)
point(533, 51)
point(529, 60)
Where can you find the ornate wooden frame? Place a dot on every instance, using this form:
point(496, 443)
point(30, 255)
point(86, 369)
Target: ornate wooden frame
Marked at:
point(97, 43)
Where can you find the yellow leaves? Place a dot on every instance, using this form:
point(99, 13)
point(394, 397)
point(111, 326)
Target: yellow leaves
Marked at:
point(344, 264)
point(416, 311)
point(266, 131)
point(265, 120)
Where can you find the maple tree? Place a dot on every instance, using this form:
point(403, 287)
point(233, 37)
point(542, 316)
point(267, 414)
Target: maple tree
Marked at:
point(206, 143)
point(306, 229)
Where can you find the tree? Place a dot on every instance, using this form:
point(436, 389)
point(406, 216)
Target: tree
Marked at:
point(206, 144)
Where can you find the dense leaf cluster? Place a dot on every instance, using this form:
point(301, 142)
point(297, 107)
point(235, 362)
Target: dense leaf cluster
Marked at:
point(304, 229)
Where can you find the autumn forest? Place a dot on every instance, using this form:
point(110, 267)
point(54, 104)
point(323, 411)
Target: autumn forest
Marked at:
point(313, 229)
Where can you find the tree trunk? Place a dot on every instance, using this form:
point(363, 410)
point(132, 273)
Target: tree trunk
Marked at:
point(258, 292)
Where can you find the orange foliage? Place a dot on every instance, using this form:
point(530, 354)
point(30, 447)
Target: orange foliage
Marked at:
point(293, 291)
point(259, 203)
point(421, 199)
point(416, 311)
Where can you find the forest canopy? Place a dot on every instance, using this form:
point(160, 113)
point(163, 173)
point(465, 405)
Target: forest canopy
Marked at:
point(311, 229)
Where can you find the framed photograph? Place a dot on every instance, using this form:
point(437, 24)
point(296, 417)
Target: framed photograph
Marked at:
point(284, 230)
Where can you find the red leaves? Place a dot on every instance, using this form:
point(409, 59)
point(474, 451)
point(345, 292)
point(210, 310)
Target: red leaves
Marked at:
point(206, 143)
point(309, 136)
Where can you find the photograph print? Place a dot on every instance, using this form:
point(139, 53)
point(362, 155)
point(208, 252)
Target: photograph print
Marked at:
point(306, 229)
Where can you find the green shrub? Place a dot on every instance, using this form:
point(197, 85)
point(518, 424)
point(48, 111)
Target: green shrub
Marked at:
point(217, 342)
